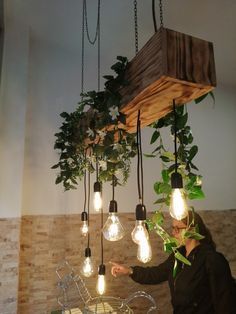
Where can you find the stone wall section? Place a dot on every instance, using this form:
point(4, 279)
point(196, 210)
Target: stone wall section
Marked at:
point(9, 264)
point(45, 241)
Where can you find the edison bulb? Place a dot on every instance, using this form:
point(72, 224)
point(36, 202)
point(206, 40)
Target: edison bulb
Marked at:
point(84, 228)
point(101, 285)
point(87, 267)
point(178, 204)
point(144, 253)
point(97, 201)
point(113, 229)
point(139, 233)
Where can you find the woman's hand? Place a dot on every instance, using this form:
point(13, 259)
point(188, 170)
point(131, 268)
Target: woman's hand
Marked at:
point(120, 270)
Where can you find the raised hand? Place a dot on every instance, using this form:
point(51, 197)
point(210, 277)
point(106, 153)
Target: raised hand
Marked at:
point(120, 270)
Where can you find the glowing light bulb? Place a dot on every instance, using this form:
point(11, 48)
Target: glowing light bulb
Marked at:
point(101, 283)
point(84, 229)
point(178, 205)
point(87, 266)
point(97, 200)
point(84, 219)
point(144, 253)
point(113, 229)
point(139, 233)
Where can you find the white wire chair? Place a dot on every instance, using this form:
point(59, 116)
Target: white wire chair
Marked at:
point(75, 295)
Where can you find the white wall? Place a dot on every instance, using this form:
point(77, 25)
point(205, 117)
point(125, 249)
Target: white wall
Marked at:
point(42, 79)
point(13, 101)
point(54, 87)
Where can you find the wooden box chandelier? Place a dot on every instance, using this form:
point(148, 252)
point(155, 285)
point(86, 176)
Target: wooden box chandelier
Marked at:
point(171, 65)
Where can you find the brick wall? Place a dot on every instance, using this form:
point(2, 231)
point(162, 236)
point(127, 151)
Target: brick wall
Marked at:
point(46, 240)
point(9, 264)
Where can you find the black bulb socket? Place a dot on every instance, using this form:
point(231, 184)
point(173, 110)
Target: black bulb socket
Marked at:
point(176, 180)
point(84, 216)
point(102, 269)
point(113, 206)
point(87, 252)
point(97, 187)
point(140, 212)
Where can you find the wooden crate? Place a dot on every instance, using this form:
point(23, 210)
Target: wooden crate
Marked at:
point(171, 65)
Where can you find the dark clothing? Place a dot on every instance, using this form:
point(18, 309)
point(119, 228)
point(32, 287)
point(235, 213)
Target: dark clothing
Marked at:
point(205, 287)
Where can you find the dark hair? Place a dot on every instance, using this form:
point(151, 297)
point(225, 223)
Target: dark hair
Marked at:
point(195, 219)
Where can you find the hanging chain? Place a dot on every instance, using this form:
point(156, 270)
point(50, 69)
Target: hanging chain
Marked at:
point(82, 54)
point(161, 13)
point(136, 26)
point(92, 42)
point(98, 37)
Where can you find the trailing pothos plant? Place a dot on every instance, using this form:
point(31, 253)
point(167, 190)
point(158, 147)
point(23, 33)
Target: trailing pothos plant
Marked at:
point(192, 181)
point(95, 132)
point(171, 244)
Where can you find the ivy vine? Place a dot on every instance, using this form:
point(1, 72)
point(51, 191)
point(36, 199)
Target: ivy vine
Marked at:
point(95, 132)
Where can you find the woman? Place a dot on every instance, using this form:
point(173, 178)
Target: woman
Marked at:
point(205, 287)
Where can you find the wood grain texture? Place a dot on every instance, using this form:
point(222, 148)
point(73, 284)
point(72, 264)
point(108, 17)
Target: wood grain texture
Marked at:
point(171, 65)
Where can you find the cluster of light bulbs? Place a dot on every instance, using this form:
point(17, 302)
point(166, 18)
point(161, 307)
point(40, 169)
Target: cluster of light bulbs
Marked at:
point(114, 231)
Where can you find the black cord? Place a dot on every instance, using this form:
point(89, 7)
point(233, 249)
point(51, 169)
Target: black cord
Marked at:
point(97, 169)
point(154, 16)
point(175, 134)
point(99, 59)
point(82, 54)
point(141, 161)
point(89, 189)
point(101, 235)
point(85, 187)
point(113, 187)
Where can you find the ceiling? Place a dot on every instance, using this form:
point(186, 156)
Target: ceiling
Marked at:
point(59, 22)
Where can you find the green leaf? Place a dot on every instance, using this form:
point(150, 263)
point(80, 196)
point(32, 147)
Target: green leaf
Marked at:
point(165, 188)
point(193, 235)
point(168, 247)
point(59, 179)
point(181, 258)
point(160, 201)
point(181, 121)
point(157, 187)
point(65, 115)
point(175, 268)
point(165, 176)
point(158, 218)
point(55, 166)
point(212, 96)
point(149, 155)
point(193, 151)
point(155, 136)
point(196, 193)
point(199, 99)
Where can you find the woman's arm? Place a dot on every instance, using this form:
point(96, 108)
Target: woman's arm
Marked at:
point(145, 275)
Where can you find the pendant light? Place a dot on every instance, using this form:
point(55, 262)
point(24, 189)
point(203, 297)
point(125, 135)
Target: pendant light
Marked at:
point(113, 229)
point(178, 205)
point(97, 189)
point(101, 283)
point(84, 216)
point(87, 266)
point(140, 234)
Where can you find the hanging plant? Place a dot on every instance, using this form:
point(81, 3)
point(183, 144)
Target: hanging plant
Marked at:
point(192, 181)
point(185, 155)
point(96, 127)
